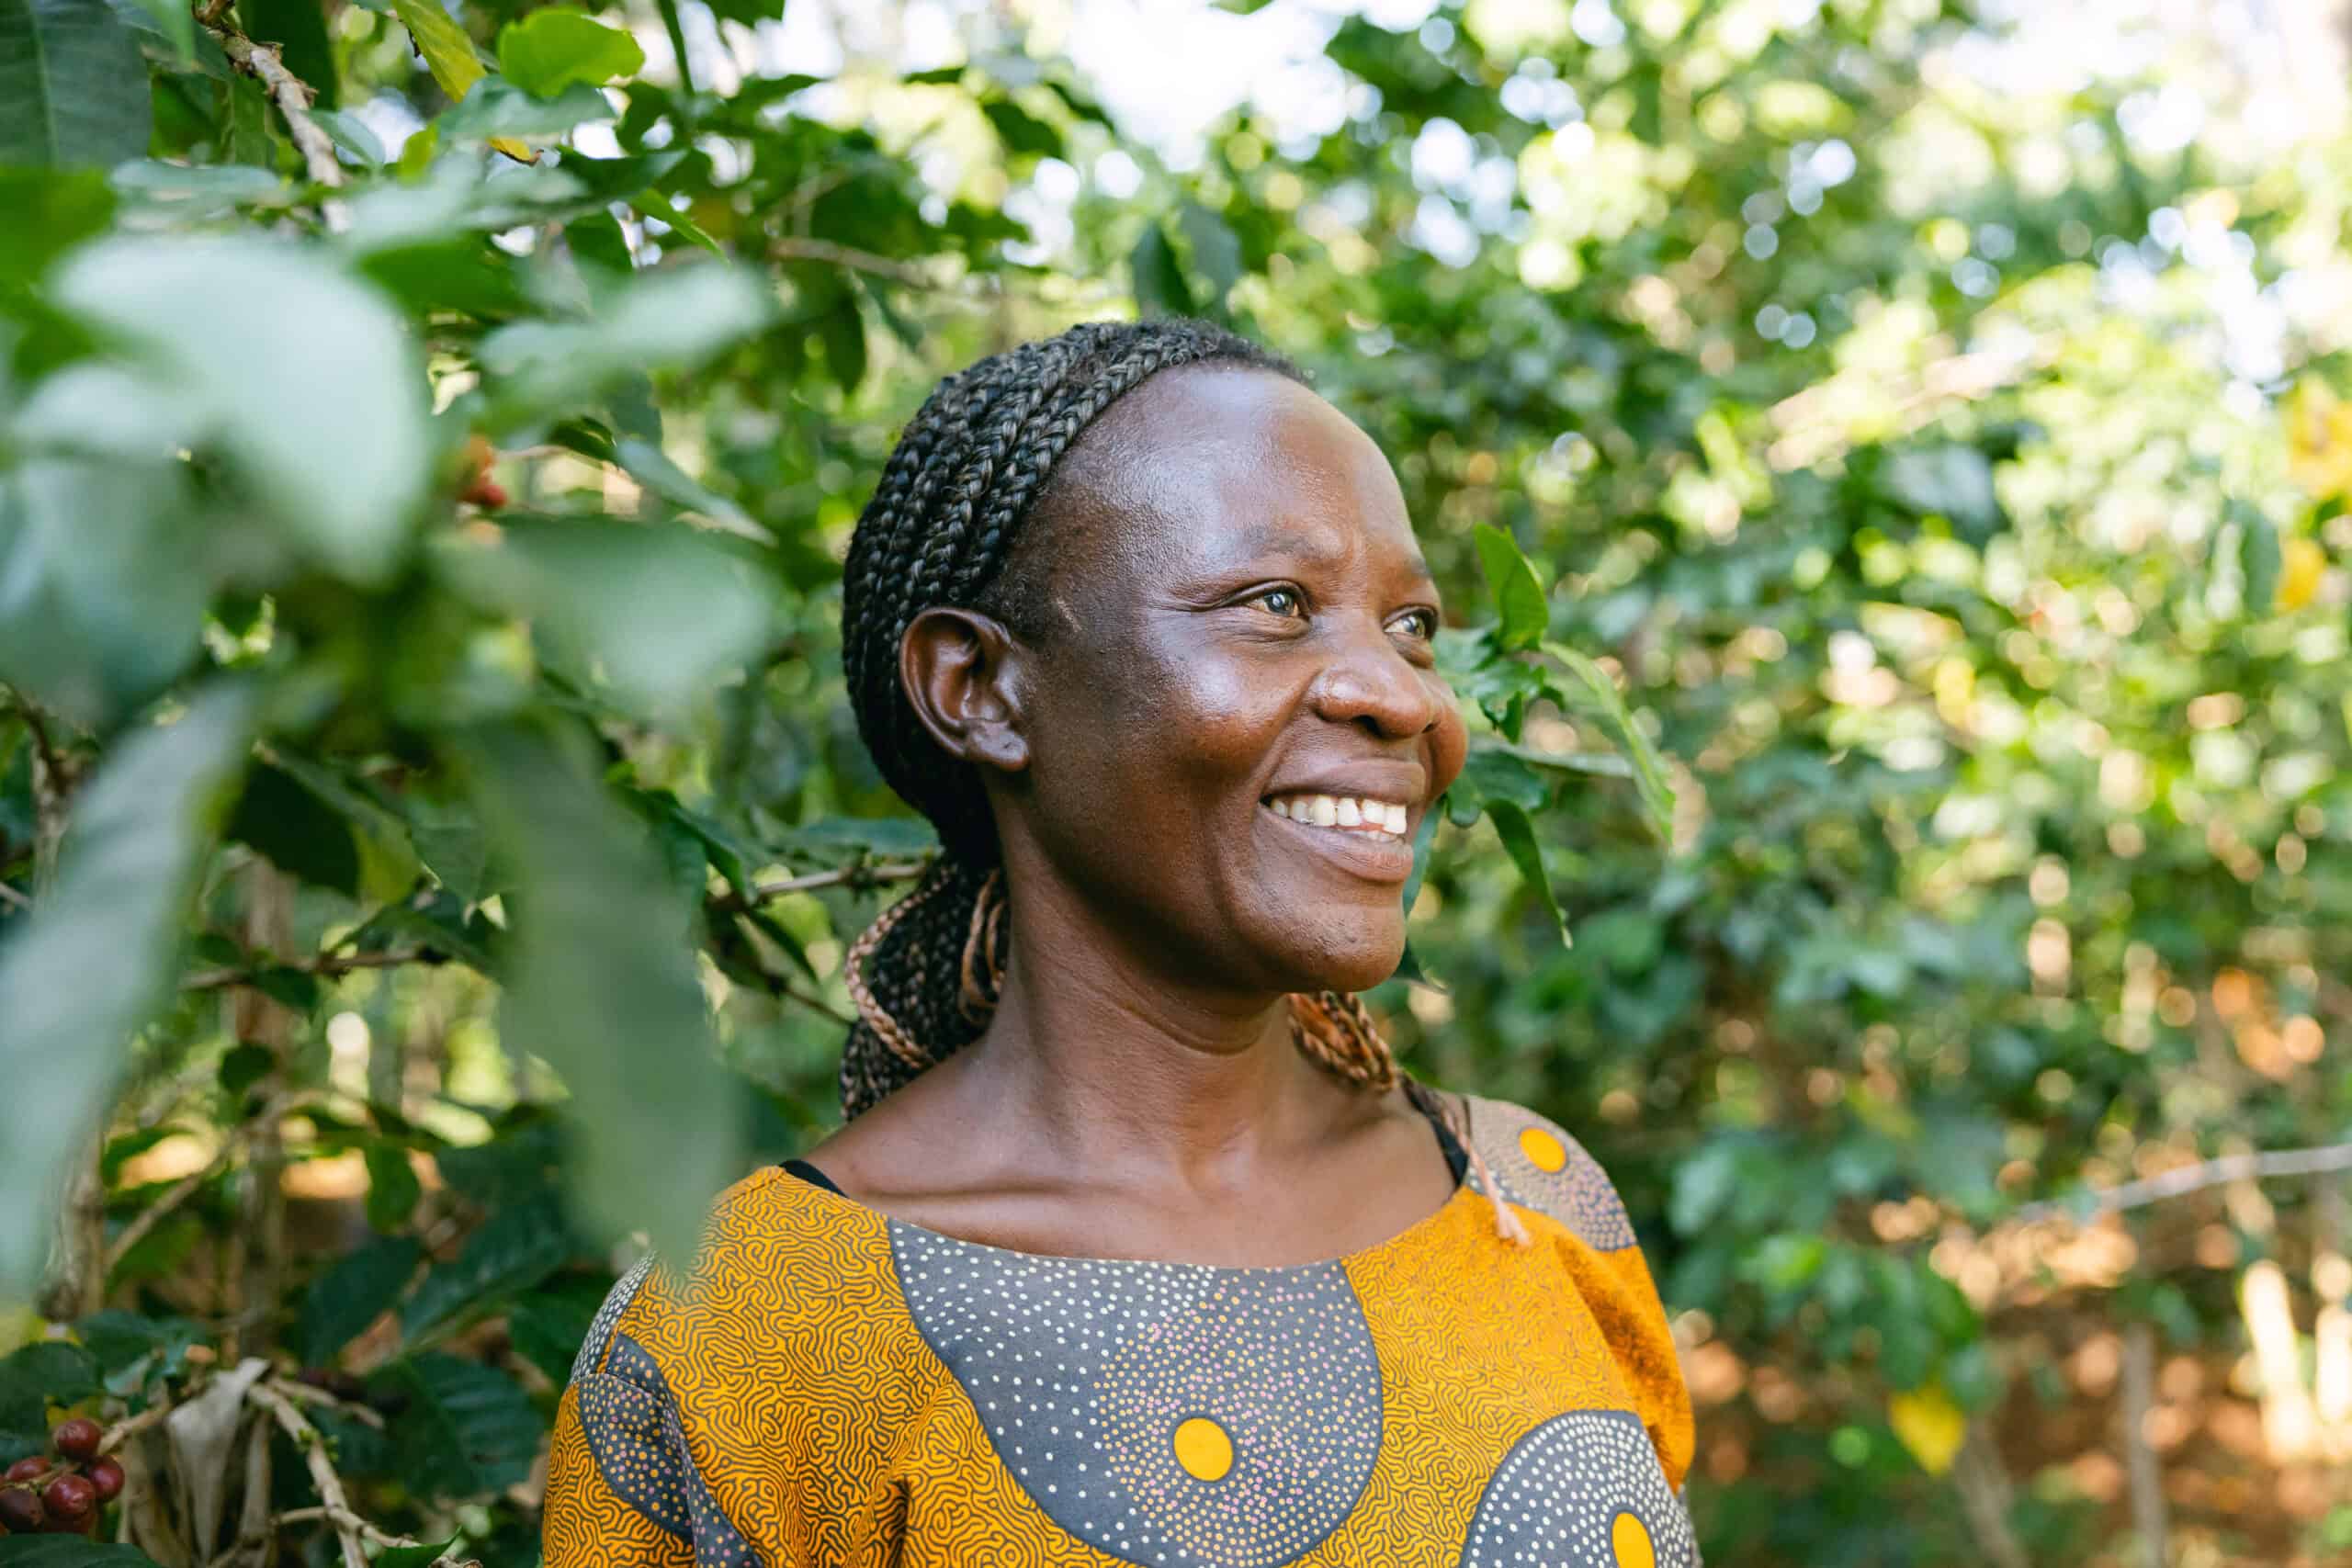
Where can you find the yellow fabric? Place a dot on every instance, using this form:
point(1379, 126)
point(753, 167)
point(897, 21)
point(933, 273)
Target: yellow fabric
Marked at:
point(833, 1388)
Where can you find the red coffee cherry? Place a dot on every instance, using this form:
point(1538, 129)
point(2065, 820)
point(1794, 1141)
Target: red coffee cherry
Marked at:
point(69, 1497)
point(20, 1509)
point(25, 1469)
point(77, 1438)
point(106, 1478)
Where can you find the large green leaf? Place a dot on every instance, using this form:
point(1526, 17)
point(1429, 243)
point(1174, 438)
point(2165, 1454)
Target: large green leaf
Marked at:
point(93, 959)
point(554, 49)
point(1518, 593)
point(32, 1379)
point(677, 317)
point(604, 987)
point(360, 1287)
point(1649, 768)
point(72, 85)
point(69, 1551)
point(509, 1252)
point(305, 376)
point(468, 1429)
point(102, 581)
point(1518, 834)
point(660, 610)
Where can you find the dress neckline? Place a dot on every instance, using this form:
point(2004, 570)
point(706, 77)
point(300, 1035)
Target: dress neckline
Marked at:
point(1457, 1160)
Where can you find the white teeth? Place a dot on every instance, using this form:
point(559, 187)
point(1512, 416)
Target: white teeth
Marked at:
point(1343, 811)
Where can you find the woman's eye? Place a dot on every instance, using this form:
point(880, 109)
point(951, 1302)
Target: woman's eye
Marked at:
point(1280, 600)
point(1423, 622)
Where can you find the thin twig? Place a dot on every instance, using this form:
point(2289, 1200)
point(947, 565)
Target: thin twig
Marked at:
point(347, 1525)
point(343, 1518)
point(131, 1427)
point(149, 1217)
point(765, 888)
point(9, 895)
point(2317, 1161)
point(328, 963)
point(2148, 1518)
point(365, 1413)
point(293, 98)
point(798, 248)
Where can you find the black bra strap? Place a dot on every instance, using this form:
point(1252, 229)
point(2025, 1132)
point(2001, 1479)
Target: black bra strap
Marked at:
point(811, 1174)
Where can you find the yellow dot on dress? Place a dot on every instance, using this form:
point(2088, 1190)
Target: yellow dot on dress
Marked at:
point(1629, 1541)
point(1544, 1151)
point(1204, 1450)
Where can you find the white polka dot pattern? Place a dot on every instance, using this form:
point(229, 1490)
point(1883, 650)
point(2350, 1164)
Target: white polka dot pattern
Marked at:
point(600, 1329)
point(1556, 1500)
point(1083, 1372)
point(1577, 1192)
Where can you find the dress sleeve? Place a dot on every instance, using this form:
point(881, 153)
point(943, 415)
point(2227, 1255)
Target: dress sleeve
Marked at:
point(618, 1473)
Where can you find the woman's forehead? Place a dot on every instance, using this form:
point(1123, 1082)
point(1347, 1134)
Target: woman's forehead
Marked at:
point(1215, 460)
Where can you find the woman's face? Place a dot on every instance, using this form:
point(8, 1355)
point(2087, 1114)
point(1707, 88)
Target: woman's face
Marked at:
point(1236, 725)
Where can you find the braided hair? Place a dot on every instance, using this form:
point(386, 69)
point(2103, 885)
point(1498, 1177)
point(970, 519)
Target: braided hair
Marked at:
point(946, 527)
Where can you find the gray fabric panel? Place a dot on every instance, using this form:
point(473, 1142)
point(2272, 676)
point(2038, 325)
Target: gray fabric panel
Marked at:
point(1082, 1374)
point(1554, 1500)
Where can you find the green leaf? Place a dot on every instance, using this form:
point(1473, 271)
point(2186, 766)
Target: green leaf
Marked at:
point(334, 435)
point(298, 27)
point(46, 1372)
point(508, 1253)
point(1518, 834)
point(51, 211)
point(1649, 768)
point(468, 1429)
point(241, 1067)
point(423, 1556)
point(132, 1349)
point(650, 467)
point(360, 1287)
point(2258, 555)
point(72, 85)
point(1216, 250)
point(296, 831)
point(604, 989)
point(102, 581)
point(448, 52)
point(548, 1324)
point(1023, 133)
point(551, 49)
point(659, 611)
point(1161, 288)
point(1950, 481)
point(393, 1185)
point(674, 317)
point(498, 112)
point(1518, 593)
point(140, 829)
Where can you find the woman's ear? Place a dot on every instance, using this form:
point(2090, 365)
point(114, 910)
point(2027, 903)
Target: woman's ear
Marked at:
point(961, 671)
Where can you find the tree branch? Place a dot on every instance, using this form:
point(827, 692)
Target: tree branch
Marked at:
point(860, 875)
point(348, 1525)
point(292, 96)
point(329, 964)
point(2317, 1161)
point(795, 248)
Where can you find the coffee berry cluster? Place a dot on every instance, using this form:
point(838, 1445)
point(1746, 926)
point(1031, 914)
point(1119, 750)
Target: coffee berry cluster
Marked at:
point(60, 1493)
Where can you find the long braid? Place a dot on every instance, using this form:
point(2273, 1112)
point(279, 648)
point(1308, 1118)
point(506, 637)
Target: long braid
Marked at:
point(940, 529)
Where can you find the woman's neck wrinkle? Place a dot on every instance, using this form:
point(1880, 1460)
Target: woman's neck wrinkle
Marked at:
point(1116, 1071)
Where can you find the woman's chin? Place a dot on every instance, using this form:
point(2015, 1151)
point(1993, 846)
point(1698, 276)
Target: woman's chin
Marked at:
point(1354, 966)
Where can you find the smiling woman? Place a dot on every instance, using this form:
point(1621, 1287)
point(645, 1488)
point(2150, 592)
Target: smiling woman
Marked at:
point(1136, 1247)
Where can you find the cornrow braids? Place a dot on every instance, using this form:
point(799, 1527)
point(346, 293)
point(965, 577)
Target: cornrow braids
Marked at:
point(940, 530)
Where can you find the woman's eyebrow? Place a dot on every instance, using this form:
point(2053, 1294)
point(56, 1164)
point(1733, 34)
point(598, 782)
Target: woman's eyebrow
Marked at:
point(1312, 547)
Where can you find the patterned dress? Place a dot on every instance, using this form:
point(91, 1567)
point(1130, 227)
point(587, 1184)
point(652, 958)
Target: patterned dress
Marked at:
point(834, 1387)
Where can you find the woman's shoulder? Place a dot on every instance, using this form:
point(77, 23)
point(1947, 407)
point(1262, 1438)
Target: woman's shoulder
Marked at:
point(1539, 1164)
point(776, 1252)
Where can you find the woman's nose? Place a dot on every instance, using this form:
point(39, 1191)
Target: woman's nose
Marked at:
point(1368, 681)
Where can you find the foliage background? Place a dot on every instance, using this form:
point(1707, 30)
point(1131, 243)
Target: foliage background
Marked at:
point(430, 826)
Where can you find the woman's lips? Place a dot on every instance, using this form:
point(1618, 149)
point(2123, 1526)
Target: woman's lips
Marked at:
point(1376, 854)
